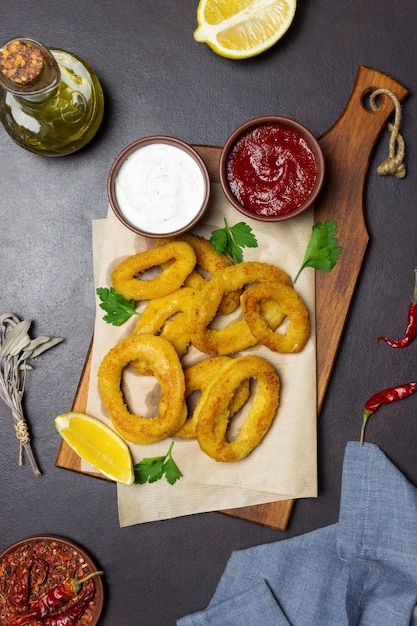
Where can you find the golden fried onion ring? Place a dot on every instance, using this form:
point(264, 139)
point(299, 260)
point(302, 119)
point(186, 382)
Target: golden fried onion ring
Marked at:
point(155, 320)
point(212, 262)
point(236, 336)
point(298, 332)
point(166, 366)
point(125, 278)
point(197, 377)
point(213, 414)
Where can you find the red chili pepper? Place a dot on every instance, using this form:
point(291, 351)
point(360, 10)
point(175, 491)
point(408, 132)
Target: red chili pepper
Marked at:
point(384, 397)
point(19, 593)
point(56, 597)
point(38, 572)
point(411, 330)
point(70, 616)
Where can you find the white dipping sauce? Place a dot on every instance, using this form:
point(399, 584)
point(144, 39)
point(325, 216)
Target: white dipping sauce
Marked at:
point(159, 188)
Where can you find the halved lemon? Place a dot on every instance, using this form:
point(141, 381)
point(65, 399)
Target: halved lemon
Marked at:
point(239, 29)
point(97, 444)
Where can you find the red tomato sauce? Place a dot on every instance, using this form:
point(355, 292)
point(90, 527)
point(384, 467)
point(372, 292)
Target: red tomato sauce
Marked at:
point(271, 170)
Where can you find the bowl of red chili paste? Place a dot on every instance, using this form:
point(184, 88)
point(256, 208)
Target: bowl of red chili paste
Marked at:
point(42, 566)
point(271, 168)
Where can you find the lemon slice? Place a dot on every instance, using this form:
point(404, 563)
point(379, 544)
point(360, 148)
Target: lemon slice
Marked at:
point(239, 29)
point(97, 444)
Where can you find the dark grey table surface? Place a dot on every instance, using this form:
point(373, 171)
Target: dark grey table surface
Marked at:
point(158, 80)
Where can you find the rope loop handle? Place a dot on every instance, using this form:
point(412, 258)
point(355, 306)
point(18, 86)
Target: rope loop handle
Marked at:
point(394, 163)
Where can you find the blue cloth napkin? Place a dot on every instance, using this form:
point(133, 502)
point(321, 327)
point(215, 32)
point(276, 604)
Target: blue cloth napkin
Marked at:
point(361, 570)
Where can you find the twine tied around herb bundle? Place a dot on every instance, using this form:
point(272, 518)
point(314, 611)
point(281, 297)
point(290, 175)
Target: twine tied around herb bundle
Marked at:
point(394, 164)
point(16, 347)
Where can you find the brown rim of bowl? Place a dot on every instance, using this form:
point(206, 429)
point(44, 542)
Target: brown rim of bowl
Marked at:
point(262, 121)
point(145, 141)
point(99, 595)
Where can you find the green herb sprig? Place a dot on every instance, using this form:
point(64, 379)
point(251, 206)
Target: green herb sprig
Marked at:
point(151, 470)
point(322, 251)
point(230, 240)
point(117, 308)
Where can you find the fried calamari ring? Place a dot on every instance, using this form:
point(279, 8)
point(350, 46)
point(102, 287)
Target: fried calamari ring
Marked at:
point(155, 320)
point(211, 262)
point(197, 377)
point(167, 369)
point(298, 332)
point(125, 278)
point(213, 413)
point(176, 332)
point(237, 335)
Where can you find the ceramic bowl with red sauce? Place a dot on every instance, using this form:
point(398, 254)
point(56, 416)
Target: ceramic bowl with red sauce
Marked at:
point(271, 168)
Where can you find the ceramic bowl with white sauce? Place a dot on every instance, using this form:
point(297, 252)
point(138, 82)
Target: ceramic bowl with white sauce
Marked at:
point(159, 186)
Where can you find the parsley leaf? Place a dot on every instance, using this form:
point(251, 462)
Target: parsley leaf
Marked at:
point(151, 470)
point(231, 240)
point(322, 251)
point(118, 309)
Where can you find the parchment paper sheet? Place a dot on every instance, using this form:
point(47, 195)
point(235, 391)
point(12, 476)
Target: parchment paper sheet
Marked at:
point(284, 466)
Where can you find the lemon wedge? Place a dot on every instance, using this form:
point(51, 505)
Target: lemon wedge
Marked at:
point(239, 29)
point(97, 444)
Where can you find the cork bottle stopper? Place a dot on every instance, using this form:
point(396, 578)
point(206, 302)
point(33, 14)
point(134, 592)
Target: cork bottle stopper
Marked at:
point(21, 62)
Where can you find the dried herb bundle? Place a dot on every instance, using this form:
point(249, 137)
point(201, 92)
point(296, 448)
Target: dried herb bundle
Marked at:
point(16, 348)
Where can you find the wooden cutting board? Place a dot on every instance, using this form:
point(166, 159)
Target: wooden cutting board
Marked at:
point(347, 148)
